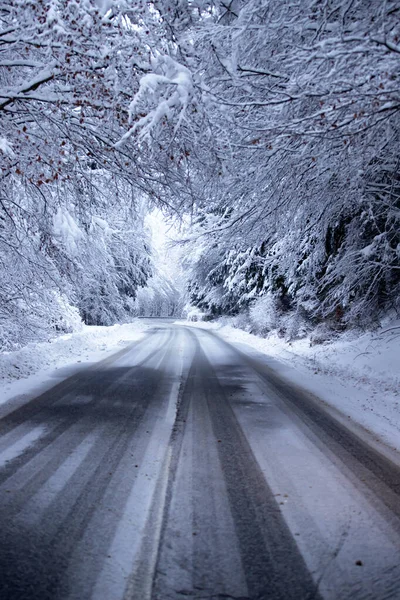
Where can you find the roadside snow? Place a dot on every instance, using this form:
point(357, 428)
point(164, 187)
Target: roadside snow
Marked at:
point(37, 364)
point(359, 376)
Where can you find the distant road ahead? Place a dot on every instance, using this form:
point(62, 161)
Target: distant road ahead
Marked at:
point(185, 468)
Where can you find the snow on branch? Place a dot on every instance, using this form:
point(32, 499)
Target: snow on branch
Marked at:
point(6, 147)
point(169, 88)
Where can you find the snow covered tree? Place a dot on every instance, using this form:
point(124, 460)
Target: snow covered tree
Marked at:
point(70, 216)
point(302, 103)
point(273, 125)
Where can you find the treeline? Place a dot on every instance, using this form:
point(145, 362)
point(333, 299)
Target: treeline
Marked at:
point(302, 226)
point(73, 244)
point(272, 125)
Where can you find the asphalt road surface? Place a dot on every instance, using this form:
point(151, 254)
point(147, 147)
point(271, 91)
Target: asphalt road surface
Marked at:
point(184, 468)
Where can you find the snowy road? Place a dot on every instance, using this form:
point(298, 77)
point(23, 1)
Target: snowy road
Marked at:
point(250, 490)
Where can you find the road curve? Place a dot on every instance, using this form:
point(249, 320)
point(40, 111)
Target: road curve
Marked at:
point(183, 467)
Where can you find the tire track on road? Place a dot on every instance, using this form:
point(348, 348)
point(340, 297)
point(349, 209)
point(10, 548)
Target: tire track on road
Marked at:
point(257, 533)
point(26, 550)
point(376, 473)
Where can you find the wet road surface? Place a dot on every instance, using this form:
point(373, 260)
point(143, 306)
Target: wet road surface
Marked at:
point(185, 468)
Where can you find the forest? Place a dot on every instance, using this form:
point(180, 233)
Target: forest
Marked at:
point(267, 130)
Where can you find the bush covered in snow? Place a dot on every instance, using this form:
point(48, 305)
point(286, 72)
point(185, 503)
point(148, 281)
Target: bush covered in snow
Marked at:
point(36, 317)
point(194, 314)
point(264, 315)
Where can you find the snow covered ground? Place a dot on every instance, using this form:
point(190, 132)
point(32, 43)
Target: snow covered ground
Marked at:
point(358, 377)
point(35, 367)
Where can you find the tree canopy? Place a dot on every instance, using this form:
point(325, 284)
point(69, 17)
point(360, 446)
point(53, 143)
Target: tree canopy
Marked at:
point(273, 126)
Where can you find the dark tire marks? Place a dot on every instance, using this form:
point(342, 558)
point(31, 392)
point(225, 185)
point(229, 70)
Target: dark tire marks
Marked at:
point(272, 565)
point(119, 408)
point(372, 468)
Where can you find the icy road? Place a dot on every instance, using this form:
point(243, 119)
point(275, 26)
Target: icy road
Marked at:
point(186, 468)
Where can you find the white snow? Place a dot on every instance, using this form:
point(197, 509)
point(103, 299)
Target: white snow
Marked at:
point(33, 368)
point(6, 147)
point(170, 88)
point(66, 230)
point(97, 221)
point(21, 445)
point(356, 376)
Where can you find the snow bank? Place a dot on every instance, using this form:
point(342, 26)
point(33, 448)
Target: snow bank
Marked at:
point(359, 376)
point(33, 365)
point(371, 358)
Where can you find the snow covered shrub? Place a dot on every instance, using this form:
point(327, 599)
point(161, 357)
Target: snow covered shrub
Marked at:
point(298, 323)
point(69, 319)
point(37, 315)
point(323, 332)
point(242, 321)
point(269, 313)
point(195, 314)
point(264, 315)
